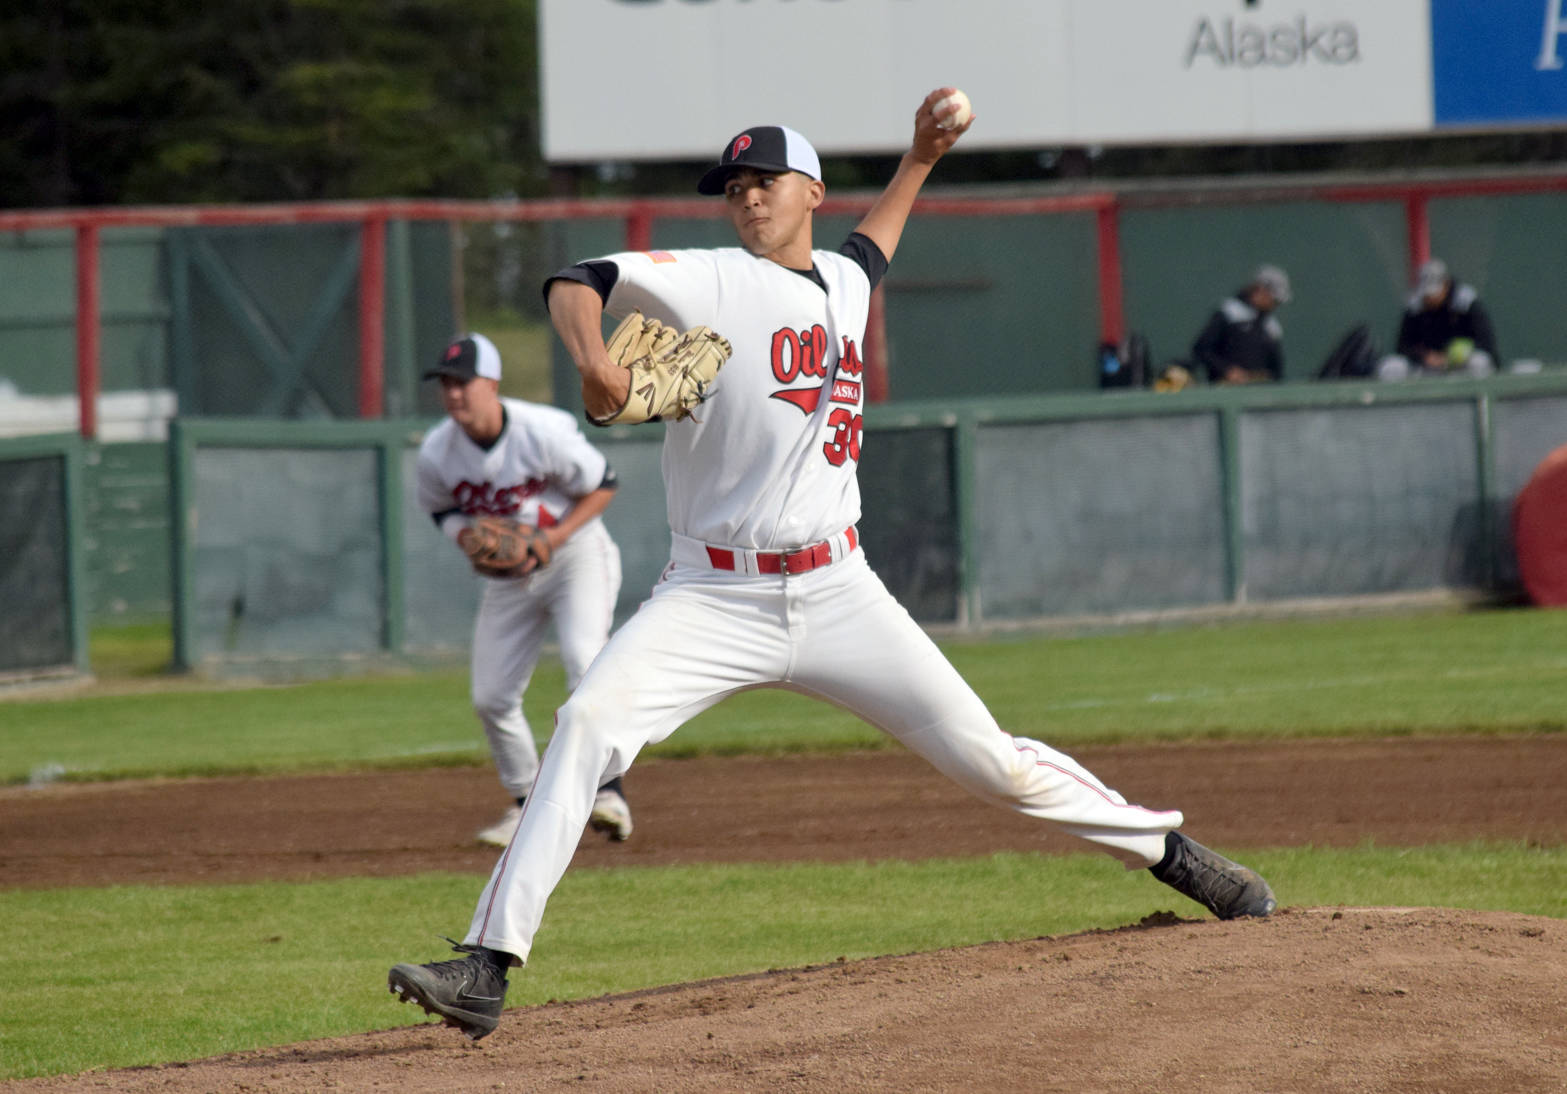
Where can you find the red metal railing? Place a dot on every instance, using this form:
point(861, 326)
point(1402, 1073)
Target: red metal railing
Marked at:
point(639, 215)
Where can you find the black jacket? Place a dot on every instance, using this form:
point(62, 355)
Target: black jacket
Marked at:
point(1238, 334)
point(1460, 316)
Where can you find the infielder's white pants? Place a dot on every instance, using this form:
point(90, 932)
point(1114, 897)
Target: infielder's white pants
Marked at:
point(835, 633)
point(577, 590)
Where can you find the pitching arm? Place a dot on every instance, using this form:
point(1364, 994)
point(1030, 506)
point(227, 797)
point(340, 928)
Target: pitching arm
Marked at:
point(883, 225)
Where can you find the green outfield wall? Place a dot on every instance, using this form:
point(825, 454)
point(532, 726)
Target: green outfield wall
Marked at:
point(297, 547)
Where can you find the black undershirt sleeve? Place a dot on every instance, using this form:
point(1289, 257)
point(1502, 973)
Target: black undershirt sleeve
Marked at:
point(597, 275)
point(863, 252)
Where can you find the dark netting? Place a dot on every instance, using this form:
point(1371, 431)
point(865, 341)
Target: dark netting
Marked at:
point(287, 553)
point(909, 527)
point(637, 519)
point(35, 606)
point(1099, 516)
point(271, 322)
point(1525, 432)
point(440, 591)
point(1352, 501)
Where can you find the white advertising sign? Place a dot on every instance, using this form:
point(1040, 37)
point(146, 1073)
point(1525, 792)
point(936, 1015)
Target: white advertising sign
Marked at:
point(674, 79)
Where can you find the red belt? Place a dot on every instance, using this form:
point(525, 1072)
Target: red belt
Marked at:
point(802, 561)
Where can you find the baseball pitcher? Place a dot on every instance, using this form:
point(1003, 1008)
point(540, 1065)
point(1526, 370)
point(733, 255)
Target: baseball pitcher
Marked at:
point(767, 584)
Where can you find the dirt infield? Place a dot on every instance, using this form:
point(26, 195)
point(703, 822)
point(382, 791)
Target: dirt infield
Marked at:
point(1310, 1000)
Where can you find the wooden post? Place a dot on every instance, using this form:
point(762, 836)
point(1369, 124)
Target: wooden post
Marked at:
point(1417, 218)
point(372, 316)
point(1112, 322)
point(88, 378)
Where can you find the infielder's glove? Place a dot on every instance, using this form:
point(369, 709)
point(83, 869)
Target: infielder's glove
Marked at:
point(670, 373)
point(502, 548)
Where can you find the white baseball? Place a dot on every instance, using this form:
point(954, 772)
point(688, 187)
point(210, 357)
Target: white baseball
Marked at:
point(959, 117)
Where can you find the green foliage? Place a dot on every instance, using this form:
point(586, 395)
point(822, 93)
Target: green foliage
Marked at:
point(162, 101)
point(1470, 672)
point(242, 966)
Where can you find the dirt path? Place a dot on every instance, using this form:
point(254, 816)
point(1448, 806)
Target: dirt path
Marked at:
point(1403, 792)
point(1312, 1000)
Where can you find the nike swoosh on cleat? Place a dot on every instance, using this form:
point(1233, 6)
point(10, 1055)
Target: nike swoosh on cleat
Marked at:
point(464, 993)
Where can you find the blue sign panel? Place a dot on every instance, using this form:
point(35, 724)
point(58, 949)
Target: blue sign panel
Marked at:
point(1500, 62)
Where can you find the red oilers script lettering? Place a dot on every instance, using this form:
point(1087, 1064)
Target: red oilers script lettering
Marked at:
point(482, 497)
point(799, 353)
point(849, 360)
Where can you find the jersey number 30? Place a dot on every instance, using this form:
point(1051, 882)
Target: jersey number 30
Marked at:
point(845, 442)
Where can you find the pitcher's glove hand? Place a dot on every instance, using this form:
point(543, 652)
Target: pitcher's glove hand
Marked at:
point(671, 373)
point(502, 548)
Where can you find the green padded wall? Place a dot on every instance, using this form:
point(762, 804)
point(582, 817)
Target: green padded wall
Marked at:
point(1347, 264)
point(38, 310)
point(127, 535)
point(1526, 430)
point(287, 553)
point(1353, 500)
point(1098, 516)
point(1511, 248)
point(441, 592)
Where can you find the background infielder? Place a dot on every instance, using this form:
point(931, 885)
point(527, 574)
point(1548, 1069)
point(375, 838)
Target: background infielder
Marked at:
point(529, 464)
point(767, 585)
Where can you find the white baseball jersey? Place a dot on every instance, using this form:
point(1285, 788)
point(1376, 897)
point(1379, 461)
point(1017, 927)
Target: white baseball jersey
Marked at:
point(533, 473)
point(769, 461)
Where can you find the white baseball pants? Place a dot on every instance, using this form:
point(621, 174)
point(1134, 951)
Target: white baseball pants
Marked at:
point(835, 633)
point(577, 590)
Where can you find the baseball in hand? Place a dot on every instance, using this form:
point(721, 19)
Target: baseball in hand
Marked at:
point(959, 117)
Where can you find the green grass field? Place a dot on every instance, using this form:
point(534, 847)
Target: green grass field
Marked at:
point(134, 975)
point(1479, 672)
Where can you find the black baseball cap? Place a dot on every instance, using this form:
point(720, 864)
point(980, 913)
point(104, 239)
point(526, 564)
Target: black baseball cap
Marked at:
point(762, 148)
point(471, 355)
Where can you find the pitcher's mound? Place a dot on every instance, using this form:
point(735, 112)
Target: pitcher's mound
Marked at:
point(1310, 1000)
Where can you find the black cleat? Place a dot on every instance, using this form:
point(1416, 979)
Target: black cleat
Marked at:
point(467, 993)
point(1227, 889)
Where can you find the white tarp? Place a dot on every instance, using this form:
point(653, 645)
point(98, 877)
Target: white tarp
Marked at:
point(673, 79)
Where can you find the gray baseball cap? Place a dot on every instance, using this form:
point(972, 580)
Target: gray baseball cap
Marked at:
point(1275, 280)
point(1432, 278)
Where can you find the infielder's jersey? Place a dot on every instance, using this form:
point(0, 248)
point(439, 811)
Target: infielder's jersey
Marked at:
point(769, 460)
point(536, 469)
